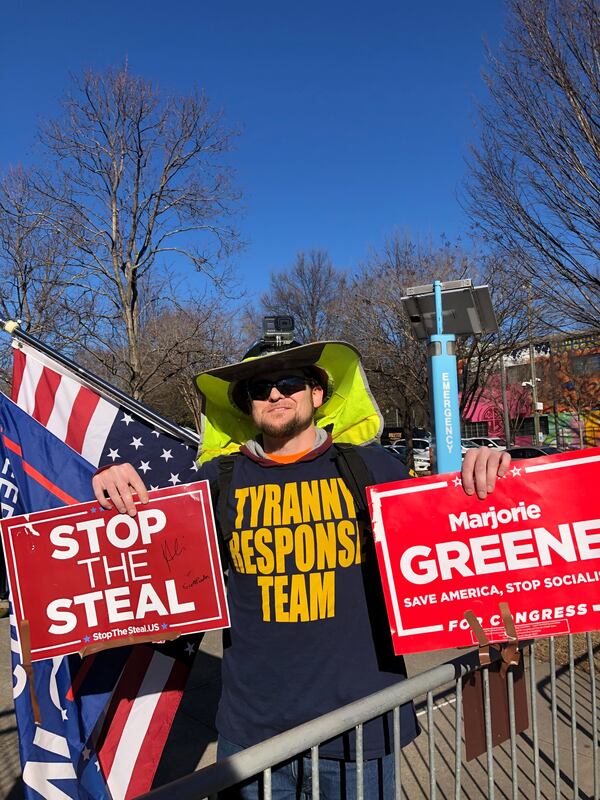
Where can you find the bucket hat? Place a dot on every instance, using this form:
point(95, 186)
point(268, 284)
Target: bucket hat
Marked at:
point(349, 410)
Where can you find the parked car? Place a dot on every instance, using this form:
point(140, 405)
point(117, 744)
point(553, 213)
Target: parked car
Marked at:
point(422, 433)
point(467, 444)
point(397, 450)
point(420, 454)
point(493, 442)
point(421, 457)
point(532, 451)
point(420, 446)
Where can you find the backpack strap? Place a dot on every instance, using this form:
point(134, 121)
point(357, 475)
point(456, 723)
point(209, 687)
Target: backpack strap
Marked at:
point(224, 478)
point(356, 475)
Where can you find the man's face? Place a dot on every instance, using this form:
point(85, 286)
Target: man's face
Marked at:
point(282, 416)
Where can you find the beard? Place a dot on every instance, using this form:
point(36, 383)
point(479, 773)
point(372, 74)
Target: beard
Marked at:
point(285, 429)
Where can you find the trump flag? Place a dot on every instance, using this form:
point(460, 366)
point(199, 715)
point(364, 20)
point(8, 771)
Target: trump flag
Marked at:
point(105, 718)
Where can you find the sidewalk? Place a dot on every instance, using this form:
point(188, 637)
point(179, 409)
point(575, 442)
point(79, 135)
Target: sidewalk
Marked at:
point(191, 743)
point(10, 767)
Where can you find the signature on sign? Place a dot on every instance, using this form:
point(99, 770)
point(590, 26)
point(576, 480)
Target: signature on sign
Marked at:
point(171, 552)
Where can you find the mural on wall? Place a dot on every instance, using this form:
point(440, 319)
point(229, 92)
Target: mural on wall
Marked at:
point(575, 373)
point(489, 410)
point(568, 386)
point(571, 390)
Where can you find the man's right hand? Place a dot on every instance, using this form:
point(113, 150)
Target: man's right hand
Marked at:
point(119, 482)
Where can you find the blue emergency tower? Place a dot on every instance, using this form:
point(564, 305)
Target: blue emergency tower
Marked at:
point(440, 312)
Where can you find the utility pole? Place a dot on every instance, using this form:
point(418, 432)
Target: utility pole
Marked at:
point(505, 414)
point(534, 380)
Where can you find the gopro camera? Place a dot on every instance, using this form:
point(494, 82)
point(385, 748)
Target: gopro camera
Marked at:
point(278, 330)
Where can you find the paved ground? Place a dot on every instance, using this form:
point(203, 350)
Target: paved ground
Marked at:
point(191, 743)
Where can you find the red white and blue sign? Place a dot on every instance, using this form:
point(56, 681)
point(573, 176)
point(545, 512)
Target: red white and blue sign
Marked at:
point(82, 577)
point(533, 543)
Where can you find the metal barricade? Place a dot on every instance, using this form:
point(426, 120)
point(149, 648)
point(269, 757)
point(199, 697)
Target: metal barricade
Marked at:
point(557, 756)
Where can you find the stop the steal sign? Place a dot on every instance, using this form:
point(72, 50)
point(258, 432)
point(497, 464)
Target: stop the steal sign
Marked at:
point(534, 543)
point(82, 577)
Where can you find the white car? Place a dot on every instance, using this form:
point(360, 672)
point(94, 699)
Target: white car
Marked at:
point(467, 444)
point(493, 442)
point(421, 456)
point(422, 464)
point(420, 446)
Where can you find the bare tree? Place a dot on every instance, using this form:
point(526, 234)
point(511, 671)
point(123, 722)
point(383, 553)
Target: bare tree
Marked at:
point(36, 278)
point(480, 357)
point(138, 192)
point(535, 177)
point(313, 292)
point(181, 343)
point(33, 259)
point(395, 361)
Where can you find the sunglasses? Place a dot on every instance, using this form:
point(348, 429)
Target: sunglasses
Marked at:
point(261, 389)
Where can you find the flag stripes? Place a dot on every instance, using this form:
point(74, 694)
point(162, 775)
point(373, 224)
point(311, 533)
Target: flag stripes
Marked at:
point(165, 708)
point(130, 683)
point(48, 383)
point(74, 413)
point(134, 717)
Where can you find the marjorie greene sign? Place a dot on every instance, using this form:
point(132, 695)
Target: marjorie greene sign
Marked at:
point(82, 577)
point(533, 543)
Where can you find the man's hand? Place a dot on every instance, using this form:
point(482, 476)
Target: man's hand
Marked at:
point(480, 468)
point(119, 482)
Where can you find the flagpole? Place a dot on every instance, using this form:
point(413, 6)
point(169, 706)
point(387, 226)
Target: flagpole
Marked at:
point(139, 409)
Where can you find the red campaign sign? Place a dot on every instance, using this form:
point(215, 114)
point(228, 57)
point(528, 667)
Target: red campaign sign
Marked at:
point(82, 577)
point(533, 543)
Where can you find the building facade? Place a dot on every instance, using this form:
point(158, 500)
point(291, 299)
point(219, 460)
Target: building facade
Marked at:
point(566, 371)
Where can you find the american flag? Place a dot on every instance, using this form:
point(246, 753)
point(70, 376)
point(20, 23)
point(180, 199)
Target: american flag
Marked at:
point(98, 428)
point(124, 700)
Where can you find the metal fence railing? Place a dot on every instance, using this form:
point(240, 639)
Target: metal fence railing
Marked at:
point(556, 756)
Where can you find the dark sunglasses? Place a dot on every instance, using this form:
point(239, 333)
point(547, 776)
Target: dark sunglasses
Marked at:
point(261, 389)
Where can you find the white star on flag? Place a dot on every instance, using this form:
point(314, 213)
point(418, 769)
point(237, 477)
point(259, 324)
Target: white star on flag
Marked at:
point(174, 479)
point(127, 418)
point(136, 442)
point(189, 648)
point(113, 454)
point(195, 466)
point(144, 467)
point(166, 454)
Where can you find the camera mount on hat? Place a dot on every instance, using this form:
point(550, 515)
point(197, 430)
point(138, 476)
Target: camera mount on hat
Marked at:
point(278, 334)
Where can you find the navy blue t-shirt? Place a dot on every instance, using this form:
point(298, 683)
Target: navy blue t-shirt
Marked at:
point(309, 630)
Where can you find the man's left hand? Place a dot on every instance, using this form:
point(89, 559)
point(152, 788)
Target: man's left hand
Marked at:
point(480, 468)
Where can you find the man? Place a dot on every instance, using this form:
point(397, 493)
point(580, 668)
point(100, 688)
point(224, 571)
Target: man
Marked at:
point(308, 623)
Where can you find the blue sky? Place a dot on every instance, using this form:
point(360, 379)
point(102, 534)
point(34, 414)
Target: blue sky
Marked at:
point(356, 117)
